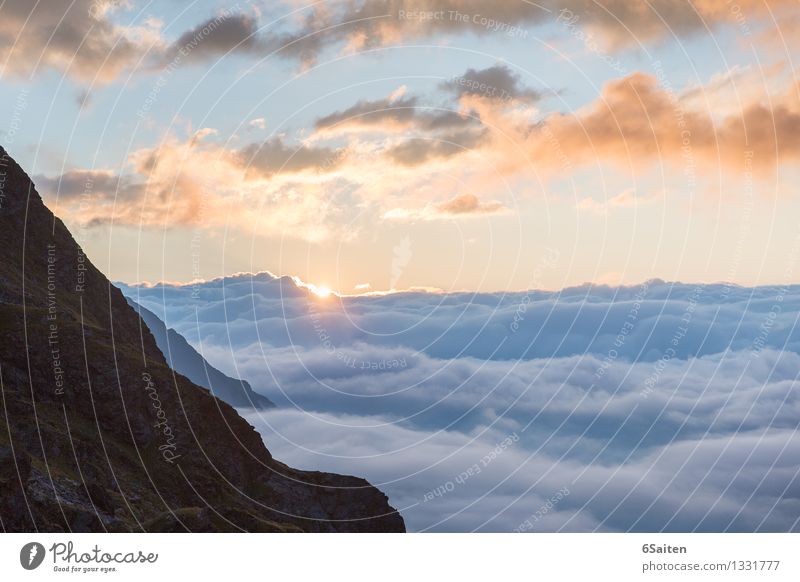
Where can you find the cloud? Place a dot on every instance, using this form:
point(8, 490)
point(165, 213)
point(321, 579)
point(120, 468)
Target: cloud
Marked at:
point(432, 133)
point(637, 124)
point(220, 35)
point(76, 183)
point(388, 112)
point(495, 83)
point(257, 123)
point(418, 151)
point(173, 184)
point(617, 24)
point(275, 156)
point(508, 326)
point(660, 407)
point(76, 37)
point(198, 182)
point(83, 39)
point(84, 100)
point(625, 199)
point(464, 205)
point(95, 197)
point(399, 111)
point(637, 121)
point(468, 204)
point(395, 113)
point(202, 133)
point(431, 478)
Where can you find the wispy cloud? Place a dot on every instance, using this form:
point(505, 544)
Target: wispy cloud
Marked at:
point(625, 199)
point(464, 205)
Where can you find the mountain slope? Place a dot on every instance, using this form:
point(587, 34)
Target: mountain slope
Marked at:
point(184, 359)
point(98, 433)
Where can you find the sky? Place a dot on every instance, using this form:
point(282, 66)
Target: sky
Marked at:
point(525, 266)
point(462, 145)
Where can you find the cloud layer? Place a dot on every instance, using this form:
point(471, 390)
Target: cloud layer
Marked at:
point(657, 407)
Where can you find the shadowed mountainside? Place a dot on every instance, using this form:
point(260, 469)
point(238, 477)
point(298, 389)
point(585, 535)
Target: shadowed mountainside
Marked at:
point(98, 433)
point(186, 360)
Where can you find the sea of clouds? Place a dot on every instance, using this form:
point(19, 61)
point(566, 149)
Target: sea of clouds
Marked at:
point(654, 407)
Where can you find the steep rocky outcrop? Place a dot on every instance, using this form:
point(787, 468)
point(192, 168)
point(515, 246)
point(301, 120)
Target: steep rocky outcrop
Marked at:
point(186, 360)
point(98, 433)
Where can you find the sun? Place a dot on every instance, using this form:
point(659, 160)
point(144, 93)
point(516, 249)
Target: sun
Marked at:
point(322, 291)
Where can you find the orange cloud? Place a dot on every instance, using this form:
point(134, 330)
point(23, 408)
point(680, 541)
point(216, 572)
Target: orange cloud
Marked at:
point(469, 204)
point(191, 183)
point(625, 199)
point(312, 190)
point(635, 120)
point(463, 205)
point(76, 37)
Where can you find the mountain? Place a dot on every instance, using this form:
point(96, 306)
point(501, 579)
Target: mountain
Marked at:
point(99, 434)
point(186, 360)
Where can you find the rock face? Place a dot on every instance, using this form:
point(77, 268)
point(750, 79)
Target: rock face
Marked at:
point(186, 360)
point(99, 434)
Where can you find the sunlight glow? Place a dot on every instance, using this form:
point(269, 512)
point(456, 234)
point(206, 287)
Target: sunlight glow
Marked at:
point(322, 292)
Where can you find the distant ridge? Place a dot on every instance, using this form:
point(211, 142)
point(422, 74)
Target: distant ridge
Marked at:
point(184, 359)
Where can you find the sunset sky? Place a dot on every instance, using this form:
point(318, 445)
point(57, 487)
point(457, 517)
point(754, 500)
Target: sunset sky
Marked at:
point(450, 144)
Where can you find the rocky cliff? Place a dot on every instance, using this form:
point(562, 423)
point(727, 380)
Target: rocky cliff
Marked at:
point(99, 434)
